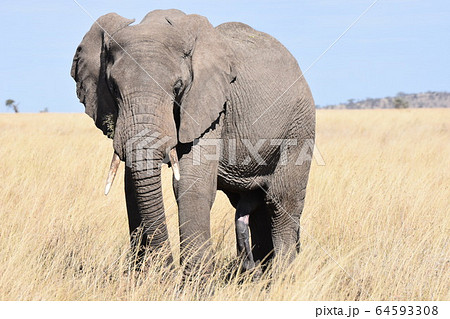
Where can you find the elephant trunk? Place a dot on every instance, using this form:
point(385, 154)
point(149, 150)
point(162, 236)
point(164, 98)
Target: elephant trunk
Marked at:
point(146, 179)
point(143, 139)
point(115, 162)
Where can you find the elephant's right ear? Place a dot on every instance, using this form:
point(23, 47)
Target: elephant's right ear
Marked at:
point(88, 70)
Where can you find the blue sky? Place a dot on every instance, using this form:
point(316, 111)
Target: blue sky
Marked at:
point(399, 45)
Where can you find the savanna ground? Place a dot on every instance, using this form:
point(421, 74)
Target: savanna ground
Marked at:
point(375, 224)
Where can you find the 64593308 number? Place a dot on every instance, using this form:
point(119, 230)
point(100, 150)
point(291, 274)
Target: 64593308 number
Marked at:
point(406, 310)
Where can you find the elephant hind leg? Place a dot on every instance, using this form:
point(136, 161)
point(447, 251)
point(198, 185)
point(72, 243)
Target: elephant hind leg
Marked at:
point(243, 241)
point(261, 233)
point(285, 210)
point(251, 215)
point(246, 204)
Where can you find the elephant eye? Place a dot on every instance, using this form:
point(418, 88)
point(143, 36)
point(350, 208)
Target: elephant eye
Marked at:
point(177, 86)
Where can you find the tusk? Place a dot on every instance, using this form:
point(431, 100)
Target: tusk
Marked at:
point(112, 172)
point(174, 163)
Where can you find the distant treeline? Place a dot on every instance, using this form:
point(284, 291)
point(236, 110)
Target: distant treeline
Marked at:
point(401, 100)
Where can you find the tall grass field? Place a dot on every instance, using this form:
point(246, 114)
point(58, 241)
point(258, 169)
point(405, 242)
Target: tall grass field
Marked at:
point(375, 224)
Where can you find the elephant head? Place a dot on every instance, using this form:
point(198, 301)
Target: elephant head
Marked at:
point(149, 87)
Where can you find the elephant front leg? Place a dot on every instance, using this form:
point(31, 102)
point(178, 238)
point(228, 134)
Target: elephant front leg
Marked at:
point(243, 240)
point(195, 193)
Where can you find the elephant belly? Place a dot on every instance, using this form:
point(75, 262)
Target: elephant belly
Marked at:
point(234, 183)
point(242, 176)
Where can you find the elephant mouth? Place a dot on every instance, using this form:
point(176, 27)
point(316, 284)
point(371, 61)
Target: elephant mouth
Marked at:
point(115, 162)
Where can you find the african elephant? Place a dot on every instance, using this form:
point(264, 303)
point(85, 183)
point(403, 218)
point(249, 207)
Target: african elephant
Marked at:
point(173, 86)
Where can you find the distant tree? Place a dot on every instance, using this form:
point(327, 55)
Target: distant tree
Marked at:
point(45, 110)
point(12, 104)
point(400, 103)
point(351, 104)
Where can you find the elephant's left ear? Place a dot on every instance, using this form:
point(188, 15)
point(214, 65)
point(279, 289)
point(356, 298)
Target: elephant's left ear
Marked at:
point(212, 75)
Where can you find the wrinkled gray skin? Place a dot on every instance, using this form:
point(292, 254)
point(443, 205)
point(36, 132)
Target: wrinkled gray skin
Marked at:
point(223, 78)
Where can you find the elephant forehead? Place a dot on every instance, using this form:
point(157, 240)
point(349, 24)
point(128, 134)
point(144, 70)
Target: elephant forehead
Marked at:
point(152, 35)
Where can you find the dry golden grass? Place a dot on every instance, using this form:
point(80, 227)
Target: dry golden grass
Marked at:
point(379, 209)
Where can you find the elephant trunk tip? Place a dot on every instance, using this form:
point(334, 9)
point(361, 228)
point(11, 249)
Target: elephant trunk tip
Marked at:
point(112, 172)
